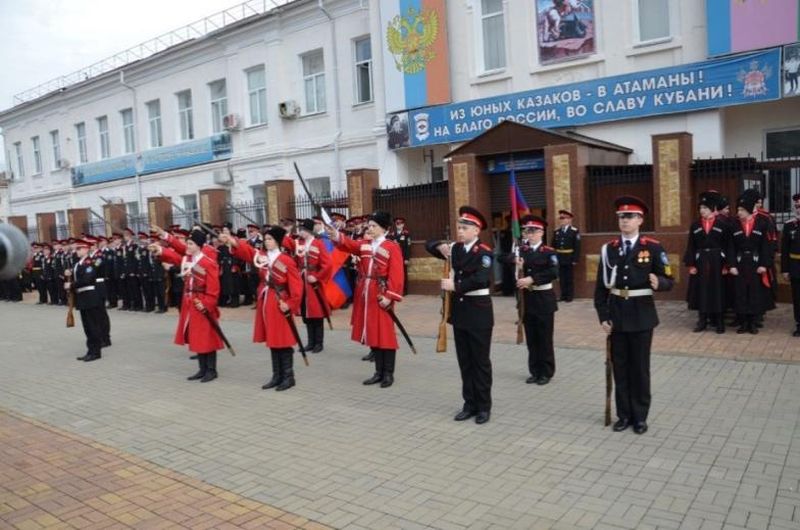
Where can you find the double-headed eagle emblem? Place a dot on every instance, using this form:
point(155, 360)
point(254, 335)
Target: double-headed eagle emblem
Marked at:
point(410, 38)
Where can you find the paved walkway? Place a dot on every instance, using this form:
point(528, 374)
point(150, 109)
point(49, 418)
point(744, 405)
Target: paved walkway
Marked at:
point(52, 479)
point(723, 450)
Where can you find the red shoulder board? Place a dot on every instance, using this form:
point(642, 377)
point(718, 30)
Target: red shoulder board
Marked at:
point(614, 242)
point(545, 248)
point(646, 240)
point(485, 247)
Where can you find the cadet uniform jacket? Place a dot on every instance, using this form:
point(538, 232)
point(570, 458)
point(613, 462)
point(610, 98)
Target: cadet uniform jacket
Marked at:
point(567, 245)
point(630, 272)
point(84, 284)
point(541, 265)
point(280, 280)
point(790, 248)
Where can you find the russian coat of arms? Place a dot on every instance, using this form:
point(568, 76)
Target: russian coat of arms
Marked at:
point(410, 38)
point(754, 81)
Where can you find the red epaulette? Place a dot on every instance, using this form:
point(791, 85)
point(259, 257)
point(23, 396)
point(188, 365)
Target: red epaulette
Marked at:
point(485, 247)
point(614, 242)
point(646, 240)
point(546, 248)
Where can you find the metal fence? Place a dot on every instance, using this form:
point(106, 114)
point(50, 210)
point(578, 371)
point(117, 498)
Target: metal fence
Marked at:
point(184, 220)
point(244, 213)
point(776, 179)
point(424, 206)
point(336, 201)
point(605, 183)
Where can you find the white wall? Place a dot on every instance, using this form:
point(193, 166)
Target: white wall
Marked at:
point(746, 126)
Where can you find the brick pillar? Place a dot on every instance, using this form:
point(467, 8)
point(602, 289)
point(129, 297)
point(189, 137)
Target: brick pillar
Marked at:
point(279, 195)
point(159, 211)
point(212, 206)
point(672, 186)
point(20, 221)
point(360, 185)
point(565, 175)
point(468, 186)
point(78, 221)
point(46, 226)
point(115, 216)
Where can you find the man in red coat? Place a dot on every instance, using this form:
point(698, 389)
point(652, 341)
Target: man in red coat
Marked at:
point(200, 273)
point(315, 266)
point(279, 293)
point(378, 288)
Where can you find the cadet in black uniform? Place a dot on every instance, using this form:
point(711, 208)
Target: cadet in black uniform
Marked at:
point(472, 315)
point(790, 259)
point(539, 268)
point(402, 237)
point(754, 258)
point(567, 242)
point(99, 264)
point(88, 300)
point(37, 269)
point(709, 250)
point(631, 268)
point(49, 274)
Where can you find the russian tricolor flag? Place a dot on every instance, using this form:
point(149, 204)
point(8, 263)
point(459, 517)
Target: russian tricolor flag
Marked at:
point(337, 290)
point(415, 54)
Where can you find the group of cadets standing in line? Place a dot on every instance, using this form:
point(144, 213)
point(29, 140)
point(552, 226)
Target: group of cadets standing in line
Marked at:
point(731, 262)
point(282, 270)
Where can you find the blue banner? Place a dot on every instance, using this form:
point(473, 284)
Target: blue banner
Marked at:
point(186, 154)
point(724, 82)
point(517, 162)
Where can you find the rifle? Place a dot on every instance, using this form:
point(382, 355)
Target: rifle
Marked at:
point(70, 301)
point(194, 219)
point(441, 339)
point(609, 380)
point(520, 301)
point(70, 308)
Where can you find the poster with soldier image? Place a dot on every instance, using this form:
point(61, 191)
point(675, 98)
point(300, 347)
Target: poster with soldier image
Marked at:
point(397, 130)
point(565, 29)
point(791, 70)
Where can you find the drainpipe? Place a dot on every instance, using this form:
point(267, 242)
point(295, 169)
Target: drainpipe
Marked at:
point(336, 99)
point(137, 162)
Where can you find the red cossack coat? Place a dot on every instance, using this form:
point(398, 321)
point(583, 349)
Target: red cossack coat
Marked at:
point(380, 273)
point(201, 281)
point(314, 260)
point(278, 279)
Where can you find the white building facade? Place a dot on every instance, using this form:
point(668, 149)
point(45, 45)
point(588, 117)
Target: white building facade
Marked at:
point(304, 83)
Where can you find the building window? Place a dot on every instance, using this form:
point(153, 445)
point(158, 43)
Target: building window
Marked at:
point(105, 145)
point(314, 81)
point(56, 143)
point(257, 95)
point(190, 203)
point(127, 130)
point(132, 208)
point(20, 161)
point(80, 132)
point(185, 115)
point(37, 155)
point(363, 56)
point(492, 42)
point(783, 144)
point(319, 186)
point(219, 104)
point(652, 20)
point(154, 120)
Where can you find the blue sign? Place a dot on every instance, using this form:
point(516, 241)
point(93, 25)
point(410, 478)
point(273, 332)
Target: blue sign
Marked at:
point(517, 162)
point(186, 154)
point(737, 80)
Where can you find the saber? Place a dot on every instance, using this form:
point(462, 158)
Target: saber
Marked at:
point(293, 327)
point(402, 330)
point(324, 213)
point(128, 218)
point(218, 330)
point(323, 303)
point(609, 383)
point(246, 217)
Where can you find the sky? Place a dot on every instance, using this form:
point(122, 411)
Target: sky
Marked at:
point(44, 39)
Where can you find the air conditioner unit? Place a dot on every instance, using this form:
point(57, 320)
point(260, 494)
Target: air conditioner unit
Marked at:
point(222, 177)
point(231, 122)
point(289, 110)
point(63, 163)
